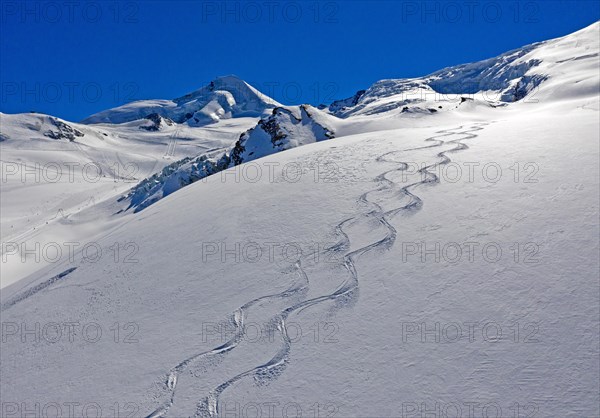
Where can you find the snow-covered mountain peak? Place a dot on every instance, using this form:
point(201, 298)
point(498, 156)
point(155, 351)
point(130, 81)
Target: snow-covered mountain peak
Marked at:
point(223, 98)
point(243, 93)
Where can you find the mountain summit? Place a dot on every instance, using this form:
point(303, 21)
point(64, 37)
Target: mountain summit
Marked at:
point(223, 98)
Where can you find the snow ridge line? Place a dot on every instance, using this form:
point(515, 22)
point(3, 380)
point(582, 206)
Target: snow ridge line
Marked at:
point(209, 406)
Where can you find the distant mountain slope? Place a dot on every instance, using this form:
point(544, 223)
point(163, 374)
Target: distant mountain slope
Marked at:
point(285, 128)
point(507, 78)
point(545, 70)
point(223, 98)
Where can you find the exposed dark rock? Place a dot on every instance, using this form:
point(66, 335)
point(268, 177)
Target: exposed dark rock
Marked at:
point(189, 170)
point(271, 126)
point(157, 122)
point(526, 85)
point(63, 131)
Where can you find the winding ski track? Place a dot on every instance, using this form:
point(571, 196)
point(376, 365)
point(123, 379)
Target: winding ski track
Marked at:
point(238, 318)
point(209, 406)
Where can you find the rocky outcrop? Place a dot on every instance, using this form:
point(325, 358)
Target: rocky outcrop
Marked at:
point(62, 131)
point(158, 122)
point(285, 128)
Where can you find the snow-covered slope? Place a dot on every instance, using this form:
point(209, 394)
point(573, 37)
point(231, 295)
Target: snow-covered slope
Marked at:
point(510, 77)
point(52, 170)
point(223, 98)
point(418, 261)
point(563, 66)
point(285, 128)
point(196, 262)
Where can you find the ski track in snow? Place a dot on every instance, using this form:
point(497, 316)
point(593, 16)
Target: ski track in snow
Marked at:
point(209, 406)
point(35, 289)
point(237, 318)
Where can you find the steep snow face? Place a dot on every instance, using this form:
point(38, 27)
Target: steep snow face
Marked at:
point(223, 98)
point(285, 128)
point(548, 70)
point(492, 75)
point(385, 96)
point(569, 65)
point(339, 105)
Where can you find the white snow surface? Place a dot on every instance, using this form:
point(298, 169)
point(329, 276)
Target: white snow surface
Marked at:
point(333, 266)
point(47, 183)
point(223, 98)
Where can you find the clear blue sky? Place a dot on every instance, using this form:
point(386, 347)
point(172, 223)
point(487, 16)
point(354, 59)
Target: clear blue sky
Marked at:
point(72, 59)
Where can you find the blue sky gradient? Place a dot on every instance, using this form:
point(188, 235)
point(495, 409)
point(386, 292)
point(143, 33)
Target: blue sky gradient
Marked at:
point(72, 59)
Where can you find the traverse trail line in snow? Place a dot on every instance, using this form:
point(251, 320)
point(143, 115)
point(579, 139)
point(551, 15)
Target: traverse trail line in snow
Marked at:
point(209, 406)
point(238, 318)
point(35, 289)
